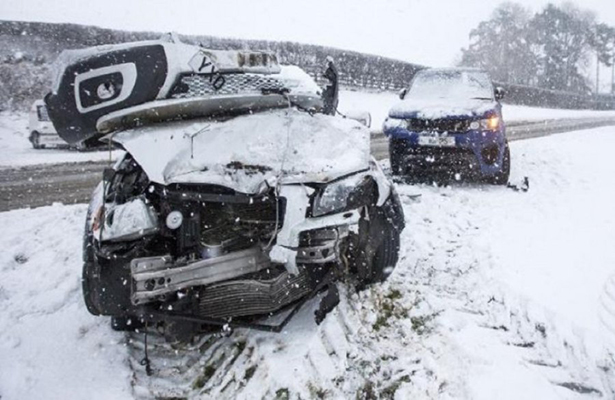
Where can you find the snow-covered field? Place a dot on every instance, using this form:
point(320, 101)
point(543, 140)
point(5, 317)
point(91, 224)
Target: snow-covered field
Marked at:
point(16, 150)
point(498, 295)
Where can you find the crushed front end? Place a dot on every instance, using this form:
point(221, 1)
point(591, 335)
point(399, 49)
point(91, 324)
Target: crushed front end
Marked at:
point(206, 255)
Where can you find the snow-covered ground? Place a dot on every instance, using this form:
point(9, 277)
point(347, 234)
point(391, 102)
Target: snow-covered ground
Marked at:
point(498, 295)
point(16, 150)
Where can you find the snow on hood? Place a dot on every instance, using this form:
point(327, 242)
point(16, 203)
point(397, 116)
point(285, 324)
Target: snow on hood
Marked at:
point(297, 80)
point(243, 152)
point(441, 108)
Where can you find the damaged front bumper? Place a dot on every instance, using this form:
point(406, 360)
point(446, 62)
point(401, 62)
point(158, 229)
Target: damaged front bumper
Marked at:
point(320, 243)
point(231, 255)
point(154, 277)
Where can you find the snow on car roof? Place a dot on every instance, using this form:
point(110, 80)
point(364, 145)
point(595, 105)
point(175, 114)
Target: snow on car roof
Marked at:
point(452, 69)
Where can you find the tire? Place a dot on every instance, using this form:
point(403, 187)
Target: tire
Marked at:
point(88, 273)
point(378, 249)
point(501, 178)
point(181, 332)
point(386, 257)
point(87, 290)
point(396, 155)
point(35, 138)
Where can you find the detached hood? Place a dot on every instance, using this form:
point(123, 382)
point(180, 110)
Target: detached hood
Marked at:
point(244, 152)
point(442, 108)
point(108, 88)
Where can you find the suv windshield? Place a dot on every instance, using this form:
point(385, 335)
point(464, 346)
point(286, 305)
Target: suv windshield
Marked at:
point(438, 84)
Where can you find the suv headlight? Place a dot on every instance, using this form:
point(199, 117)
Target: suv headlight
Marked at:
point(394, 123)
point(128, 221)
point(345, 194)
point(490, 124)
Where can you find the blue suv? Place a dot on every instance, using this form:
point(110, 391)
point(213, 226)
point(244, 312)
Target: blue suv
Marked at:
point(449, 121)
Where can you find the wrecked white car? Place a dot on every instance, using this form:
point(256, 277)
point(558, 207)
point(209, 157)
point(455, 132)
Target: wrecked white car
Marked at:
point(237, 199)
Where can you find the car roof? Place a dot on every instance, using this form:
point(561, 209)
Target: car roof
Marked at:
point(454, 69)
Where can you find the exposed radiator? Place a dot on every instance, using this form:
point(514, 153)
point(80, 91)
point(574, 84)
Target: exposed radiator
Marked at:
point(252, 297)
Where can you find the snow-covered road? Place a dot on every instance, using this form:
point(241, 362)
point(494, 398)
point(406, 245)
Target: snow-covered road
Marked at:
point(497, 295)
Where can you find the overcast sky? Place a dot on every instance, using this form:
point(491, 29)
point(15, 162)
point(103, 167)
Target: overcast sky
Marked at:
point(429, 32)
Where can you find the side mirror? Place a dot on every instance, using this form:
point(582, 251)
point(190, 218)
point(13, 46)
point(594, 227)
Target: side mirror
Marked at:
point(499, 93)
point(363, 117)
point(402, 93)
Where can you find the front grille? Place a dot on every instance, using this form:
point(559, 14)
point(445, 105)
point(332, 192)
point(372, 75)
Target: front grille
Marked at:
point(435, 158)
point(253, 222)
point(215, 216)
point(439, 125)
point(191, 86)
point(252, 297)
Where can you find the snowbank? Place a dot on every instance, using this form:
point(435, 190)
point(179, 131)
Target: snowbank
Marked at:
point(520, 277)
point(50, 346)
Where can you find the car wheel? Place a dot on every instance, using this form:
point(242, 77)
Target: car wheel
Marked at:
point(386, 256)
point(87, 289)
point(35, 138)
point(88, 272)
point(379, 249)
point(501, 178)
point(396, 156)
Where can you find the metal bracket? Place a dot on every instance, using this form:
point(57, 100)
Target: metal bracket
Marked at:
point(156, 276)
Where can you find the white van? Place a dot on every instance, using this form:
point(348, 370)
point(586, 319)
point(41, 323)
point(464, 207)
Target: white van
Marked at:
point(42, 132)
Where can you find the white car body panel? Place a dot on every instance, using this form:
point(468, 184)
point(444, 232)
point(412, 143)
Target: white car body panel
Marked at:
point(44, 128)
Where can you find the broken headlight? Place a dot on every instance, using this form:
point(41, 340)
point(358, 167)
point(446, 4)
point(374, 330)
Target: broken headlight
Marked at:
point(128, 221)
point(345, 194)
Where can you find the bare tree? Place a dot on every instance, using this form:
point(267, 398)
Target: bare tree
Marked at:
point(501, 46)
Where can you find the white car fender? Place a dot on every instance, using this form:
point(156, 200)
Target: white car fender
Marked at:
point(384, 186)
point(299, 197)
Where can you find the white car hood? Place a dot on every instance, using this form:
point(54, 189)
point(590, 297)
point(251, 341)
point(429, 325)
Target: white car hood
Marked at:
point(242, 153)
point(441, 108)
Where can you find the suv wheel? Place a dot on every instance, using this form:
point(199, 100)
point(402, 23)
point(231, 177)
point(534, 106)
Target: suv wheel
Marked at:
point(35, 138)
point(501, 178)
point(396, 155)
